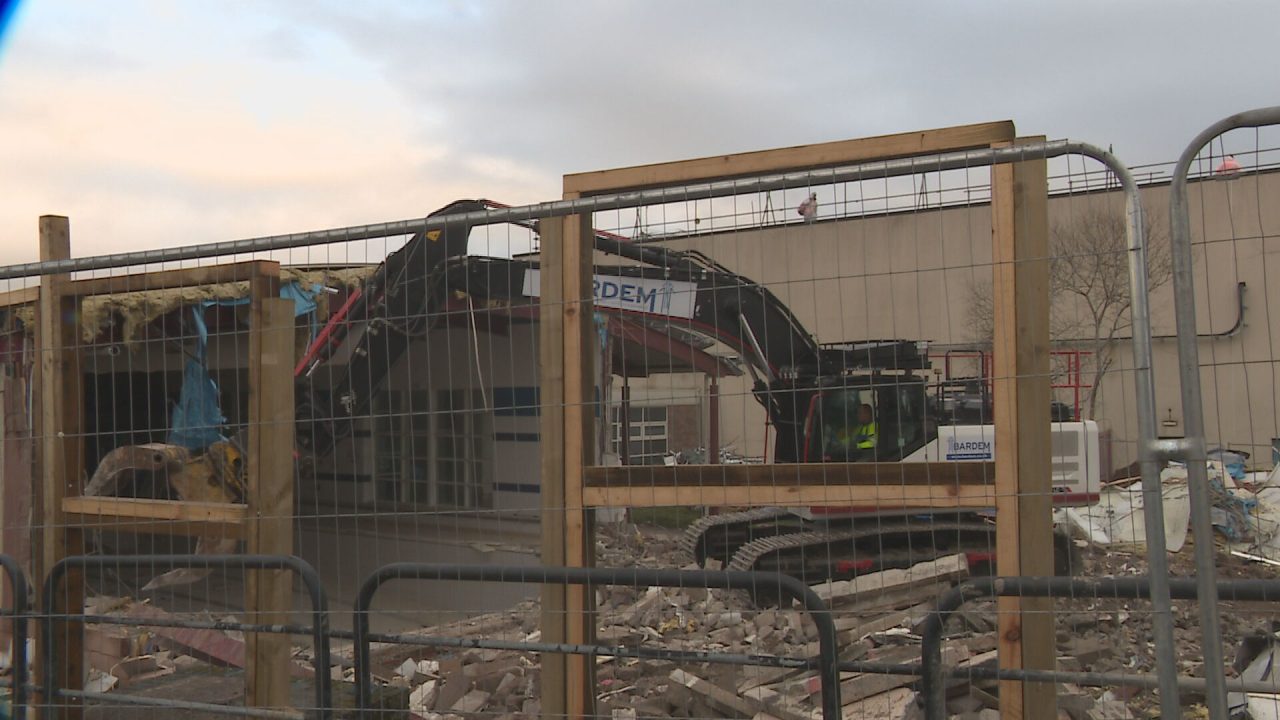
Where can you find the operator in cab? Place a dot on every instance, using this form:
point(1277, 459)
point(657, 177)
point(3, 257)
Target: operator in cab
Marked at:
point(852, 442)
point(864, 433)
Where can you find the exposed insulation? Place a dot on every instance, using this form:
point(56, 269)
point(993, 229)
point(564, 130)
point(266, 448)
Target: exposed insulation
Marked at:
point(133, 311)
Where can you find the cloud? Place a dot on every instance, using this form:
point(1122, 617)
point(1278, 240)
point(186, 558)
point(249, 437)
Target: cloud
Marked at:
point(574, 86)
point(213, 147)
point(155, 124)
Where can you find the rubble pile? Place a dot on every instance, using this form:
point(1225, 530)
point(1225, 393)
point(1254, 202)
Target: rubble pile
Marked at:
point(1245, 510)
point(878, 619)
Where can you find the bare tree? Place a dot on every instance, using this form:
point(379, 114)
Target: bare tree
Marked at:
point(1088, 288)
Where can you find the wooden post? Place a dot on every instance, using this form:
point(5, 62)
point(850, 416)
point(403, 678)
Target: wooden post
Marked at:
point(551, 405)
point(579, 451)
point(568, 438)
point(1024, 523)
point(269, 488)
point(61, 470)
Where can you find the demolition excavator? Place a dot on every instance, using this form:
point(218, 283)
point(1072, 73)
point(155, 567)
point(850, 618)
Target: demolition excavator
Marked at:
point(811, 392)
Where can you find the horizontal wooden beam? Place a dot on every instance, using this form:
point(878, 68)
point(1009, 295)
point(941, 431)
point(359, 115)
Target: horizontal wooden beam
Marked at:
point(20, 296)
point(850, 496)
point(781, 160)
point(863, 485)
point(166, 279)
point(160, 517)
point(794, 474)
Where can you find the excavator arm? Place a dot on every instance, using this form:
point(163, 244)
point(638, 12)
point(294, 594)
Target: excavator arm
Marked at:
point(379, 322)
point(409, 290)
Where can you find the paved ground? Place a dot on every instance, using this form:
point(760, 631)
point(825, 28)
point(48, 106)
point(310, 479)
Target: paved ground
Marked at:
point(346, 550)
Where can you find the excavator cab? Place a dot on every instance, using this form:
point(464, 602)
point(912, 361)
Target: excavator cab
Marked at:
point(867, 419)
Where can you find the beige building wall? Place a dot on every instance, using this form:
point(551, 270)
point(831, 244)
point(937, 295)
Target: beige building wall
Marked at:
point(909, 275)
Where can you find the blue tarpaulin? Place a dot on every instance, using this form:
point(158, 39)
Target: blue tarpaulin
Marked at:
point(197, 418)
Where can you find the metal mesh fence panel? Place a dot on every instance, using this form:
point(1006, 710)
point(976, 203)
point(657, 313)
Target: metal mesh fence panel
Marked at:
point(881, 378)
point(1222, 229)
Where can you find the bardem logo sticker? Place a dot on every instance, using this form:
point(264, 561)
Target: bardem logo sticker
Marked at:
point(969, 449)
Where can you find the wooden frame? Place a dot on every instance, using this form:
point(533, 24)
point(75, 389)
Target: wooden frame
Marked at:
point(269, 489)
point(782, 160)
point(1020, 388)
point(61, 456)
point(552, 430)
point(160, 517)
point(920, 485)
point(184, 277)
point(265, 521)
point(566, 384)
point(1019, 488)
point(20, 296)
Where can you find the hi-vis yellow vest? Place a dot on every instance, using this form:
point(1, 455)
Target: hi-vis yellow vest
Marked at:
point(866, 436)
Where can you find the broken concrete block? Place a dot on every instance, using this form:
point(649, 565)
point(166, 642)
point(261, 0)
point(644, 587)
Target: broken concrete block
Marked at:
point(719, 699)
point(408, 670)
point(473, 701)
point(100, 682)
point(654, 707)
point(106, 646)
point(919, 579)
point(1110, 710)
point(892, 705)
point(727, 635)
point(984, 714)
point(1075, 705)
point(450, 692)
point(508, 683)
point(480, 655)
point(1087, 650)
point(186, 662)
point(423, 697)
point(213, 646)
point(724, 619)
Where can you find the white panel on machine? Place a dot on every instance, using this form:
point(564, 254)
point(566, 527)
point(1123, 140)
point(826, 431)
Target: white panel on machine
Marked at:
point(1077, 460)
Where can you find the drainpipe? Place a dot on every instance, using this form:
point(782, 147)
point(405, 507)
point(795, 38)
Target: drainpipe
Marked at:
point(624, 444)
point(713, 424)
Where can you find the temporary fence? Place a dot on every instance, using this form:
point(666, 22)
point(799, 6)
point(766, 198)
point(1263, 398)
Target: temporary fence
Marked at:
point(1253, 352)
point(53, 621)
point(727, 362)
point(19, 594)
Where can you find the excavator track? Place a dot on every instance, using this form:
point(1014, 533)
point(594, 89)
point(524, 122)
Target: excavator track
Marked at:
point(750, 555)
point(695, 535)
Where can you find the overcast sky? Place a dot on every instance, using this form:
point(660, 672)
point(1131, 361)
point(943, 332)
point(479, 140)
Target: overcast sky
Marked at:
point(156, 123)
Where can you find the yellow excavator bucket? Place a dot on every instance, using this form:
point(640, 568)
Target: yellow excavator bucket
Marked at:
point(216, 475)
